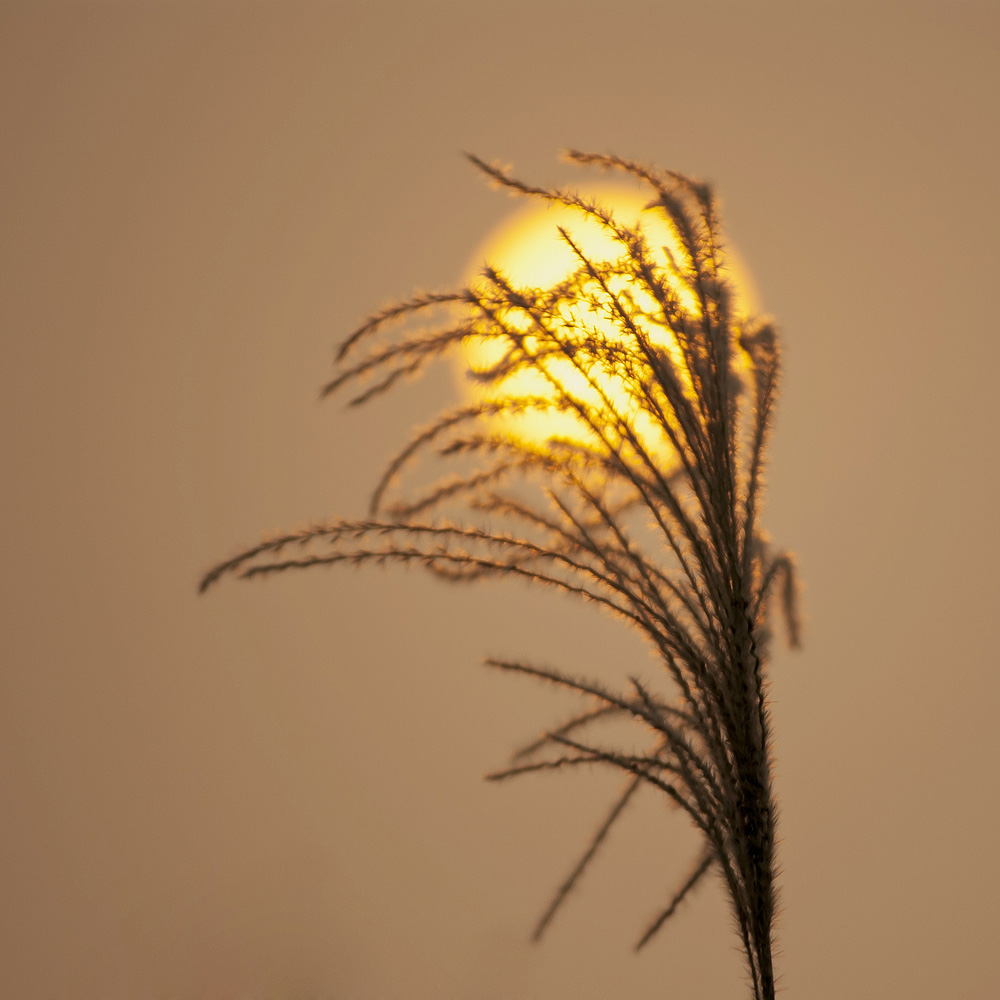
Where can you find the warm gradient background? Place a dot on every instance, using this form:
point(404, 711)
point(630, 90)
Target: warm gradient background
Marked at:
point(274, 791)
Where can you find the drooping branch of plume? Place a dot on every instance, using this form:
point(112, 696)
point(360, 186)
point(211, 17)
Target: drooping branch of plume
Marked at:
point(660, 529)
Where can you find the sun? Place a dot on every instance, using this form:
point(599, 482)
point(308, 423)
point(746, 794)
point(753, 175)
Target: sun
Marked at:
point(530, 251)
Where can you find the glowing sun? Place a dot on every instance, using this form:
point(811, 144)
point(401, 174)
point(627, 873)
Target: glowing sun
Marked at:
point(529, 250)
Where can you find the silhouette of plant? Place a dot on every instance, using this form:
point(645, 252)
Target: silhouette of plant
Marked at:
point(659, 526)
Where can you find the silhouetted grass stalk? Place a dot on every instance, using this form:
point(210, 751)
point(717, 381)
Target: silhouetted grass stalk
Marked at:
point(664, 535)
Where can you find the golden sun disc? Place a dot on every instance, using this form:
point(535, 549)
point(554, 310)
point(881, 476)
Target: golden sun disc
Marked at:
point(529, 250)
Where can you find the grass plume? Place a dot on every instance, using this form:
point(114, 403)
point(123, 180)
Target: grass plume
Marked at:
point(661, 530)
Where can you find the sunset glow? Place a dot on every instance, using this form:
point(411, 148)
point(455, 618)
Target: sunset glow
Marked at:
point(529, 250)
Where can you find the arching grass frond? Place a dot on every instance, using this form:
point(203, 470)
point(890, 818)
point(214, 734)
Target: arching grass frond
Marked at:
point(642, 499)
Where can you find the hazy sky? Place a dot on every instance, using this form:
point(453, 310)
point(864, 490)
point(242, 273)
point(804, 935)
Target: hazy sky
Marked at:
point(274, 791)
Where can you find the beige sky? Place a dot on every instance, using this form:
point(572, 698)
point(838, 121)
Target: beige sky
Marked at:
point(275, 791)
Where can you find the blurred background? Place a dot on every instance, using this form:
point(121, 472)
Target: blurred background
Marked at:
point(274, 791)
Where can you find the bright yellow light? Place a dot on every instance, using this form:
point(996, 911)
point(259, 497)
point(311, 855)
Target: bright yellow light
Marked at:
point(529, 250)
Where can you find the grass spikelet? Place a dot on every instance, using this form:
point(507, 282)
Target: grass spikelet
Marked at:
point(659, 528)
